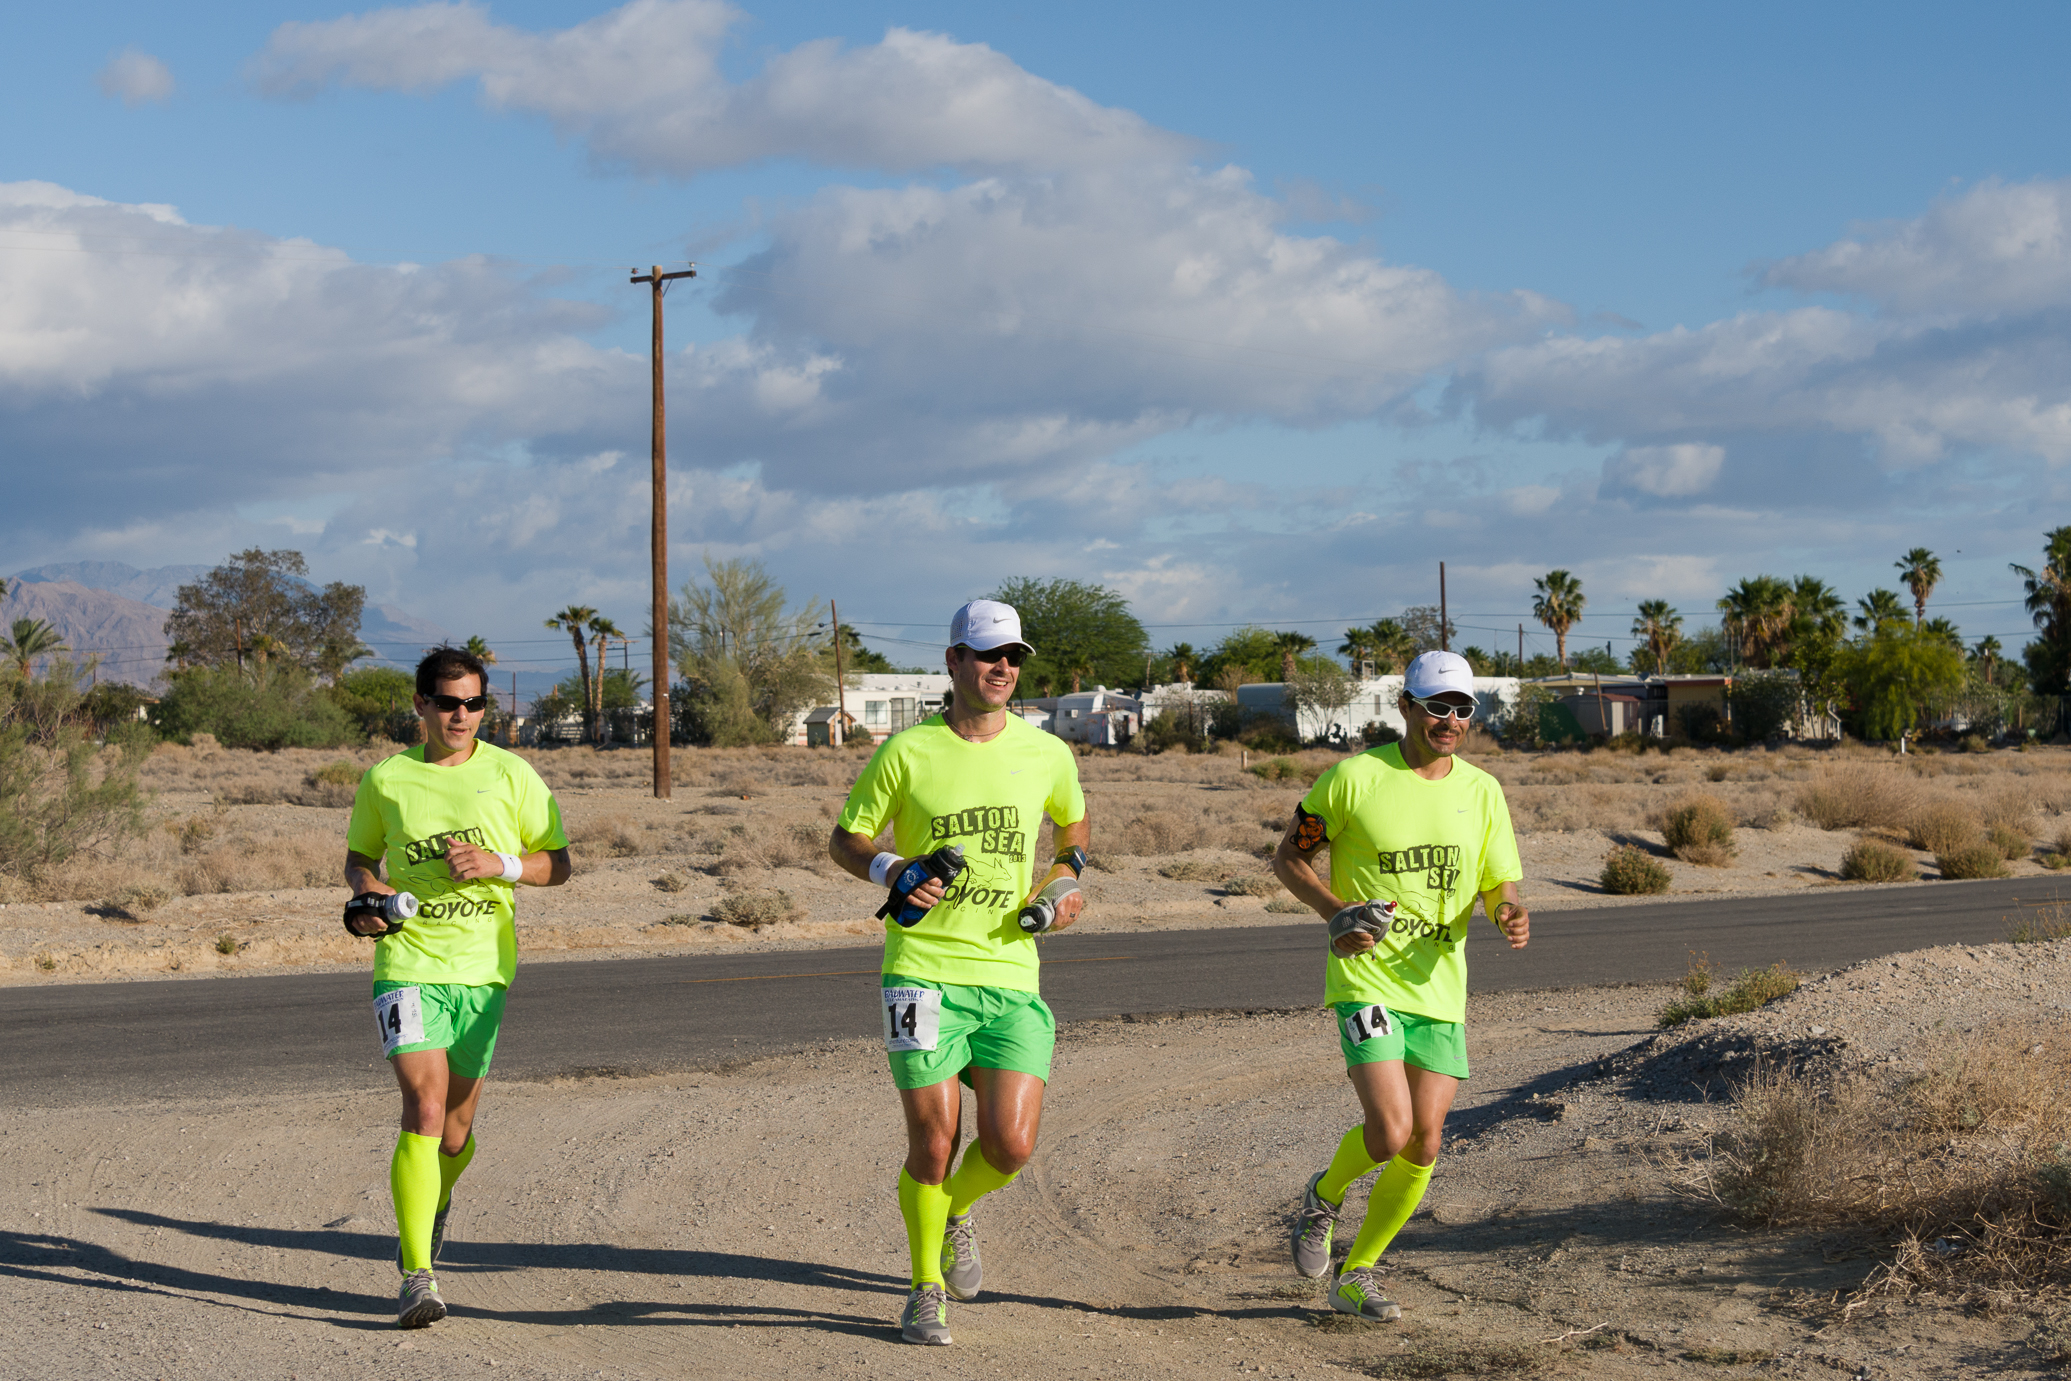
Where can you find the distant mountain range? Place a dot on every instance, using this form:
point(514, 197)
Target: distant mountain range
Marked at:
point(117, 612)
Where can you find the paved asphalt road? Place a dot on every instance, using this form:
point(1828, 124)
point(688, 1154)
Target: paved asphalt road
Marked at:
point(108, 1042)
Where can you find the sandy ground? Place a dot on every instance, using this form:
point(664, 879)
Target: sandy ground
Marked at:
point(740, 1221)
point(650, 873)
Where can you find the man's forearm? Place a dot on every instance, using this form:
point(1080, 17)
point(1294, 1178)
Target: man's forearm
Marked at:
point(852, 852)
point(1496, 896)
point(1073, 836)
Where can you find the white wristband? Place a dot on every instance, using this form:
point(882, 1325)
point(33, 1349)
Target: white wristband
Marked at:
point(513, 867)
point(881, 869)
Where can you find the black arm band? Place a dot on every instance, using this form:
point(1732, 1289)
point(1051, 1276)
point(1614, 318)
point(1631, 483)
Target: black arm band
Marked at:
point(1073, 858)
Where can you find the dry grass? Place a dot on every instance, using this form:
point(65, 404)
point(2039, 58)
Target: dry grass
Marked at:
point(2011, 843)
point(2041, 924)
point(1859, 795)
point(1943, 826)
point(1969, 1163)
point(1978, 859)
point(1252, 885)
point(1701, 996)
point(757, 909)
point(1698, 829)
point(1873, 860)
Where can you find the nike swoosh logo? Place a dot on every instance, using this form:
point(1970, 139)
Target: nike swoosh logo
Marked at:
point(1015, 773)
point(483, 790)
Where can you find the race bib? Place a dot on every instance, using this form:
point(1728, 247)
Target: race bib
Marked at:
point(1368, 1022)
point(400, 1015)
point(911, 1018)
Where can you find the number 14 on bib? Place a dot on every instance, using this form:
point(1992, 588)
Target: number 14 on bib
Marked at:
point(1366, 1023)
point(912, 1018)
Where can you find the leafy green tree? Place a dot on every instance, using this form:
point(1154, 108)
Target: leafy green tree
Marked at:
point(1557, 605)
point(1322, 689)
point(1703, 653)
point(620, 688)
point(62, 793)
point(378, 700)
point(1079, 631)
point(1600, 660)
point(1248, 650)
point(1878, 607)
point(276, 706)
point(263, 599)
point(1660, 627)
point(1920, 572)
point(1895, 672)
point(2047, 592)
point(28, 640)
point(750, 665)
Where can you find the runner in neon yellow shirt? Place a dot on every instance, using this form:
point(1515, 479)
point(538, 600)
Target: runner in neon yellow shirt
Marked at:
point(1416, 835)
point(457, 824)
point(960, 992)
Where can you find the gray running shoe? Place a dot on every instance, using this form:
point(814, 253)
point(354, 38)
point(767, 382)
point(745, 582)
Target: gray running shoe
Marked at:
point(438, 1239)
point(419, 1305)
point(962, 1272)
point(926, 1320)
point(1359, 1293)
point(1312, 1228)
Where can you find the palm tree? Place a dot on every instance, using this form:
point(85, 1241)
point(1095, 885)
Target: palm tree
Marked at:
point(1879, 607)
point(1816, 611)
point(1182, 656)
point(1393, 646)
point(1661, 628)
point(1986, 653)
point(479, 649)
point(1558, 605)
point(1946, 631)
point(1920, 573)
point(575, 620)
point(1758, 612)
point(2048, 590)
point(1291, 646)
point(1357, 648)
point(603, 632)
point(31, 638)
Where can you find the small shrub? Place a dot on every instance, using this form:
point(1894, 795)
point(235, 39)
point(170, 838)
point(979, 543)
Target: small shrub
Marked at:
point(2041, 925)
point(2011, 843)
point(1975, 743)
point(1754, 988)
point(1858, 795)
point(226, 944)
point(1699, 829)
point(195, 833)
point(1252, 885)
point(1275, 769)
point(1967, 861)
point(1287, 906)
point(339, 773)
point(1944, 826)
point(754, 910)
point(1374, 733)
point(1633, 872)
point(1872, 860)
point(47, 962)
point(139, 902)
point(672, 882)
point(1189, 871)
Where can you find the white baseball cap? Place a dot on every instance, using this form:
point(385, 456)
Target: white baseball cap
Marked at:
point(1435, 673)
point(985, 624)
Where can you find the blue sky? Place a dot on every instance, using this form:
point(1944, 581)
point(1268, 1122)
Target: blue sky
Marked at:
point(1254, 316)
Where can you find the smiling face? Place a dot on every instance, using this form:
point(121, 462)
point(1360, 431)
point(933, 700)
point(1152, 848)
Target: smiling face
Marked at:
point(983, 684)
point(1439, 737)
point(452, 731)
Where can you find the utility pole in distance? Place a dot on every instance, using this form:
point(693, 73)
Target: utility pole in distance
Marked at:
point(841, 692)
point(1444, 642)
point(658, 537)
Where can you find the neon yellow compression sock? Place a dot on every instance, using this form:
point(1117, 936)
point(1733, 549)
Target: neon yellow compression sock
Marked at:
point(973, 1180)
point(450, 1169)
point(925, 1207)
point(1350, 1162)
point(413, 1178)
point(1395, 1196)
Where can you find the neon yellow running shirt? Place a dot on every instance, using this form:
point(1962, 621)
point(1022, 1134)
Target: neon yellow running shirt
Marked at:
point(407, 812)
point(1431, 848)
point(935, 788)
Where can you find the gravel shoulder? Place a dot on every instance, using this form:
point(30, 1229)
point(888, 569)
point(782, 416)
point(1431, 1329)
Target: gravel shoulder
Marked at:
point(740, 1222)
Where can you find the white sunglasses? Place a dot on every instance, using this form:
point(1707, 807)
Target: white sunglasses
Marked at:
point(1439, 709)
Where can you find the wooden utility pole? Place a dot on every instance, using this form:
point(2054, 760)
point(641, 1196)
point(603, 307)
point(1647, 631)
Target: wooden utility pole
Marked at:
point(1444, 642)
point(841, 690)
point(658, 535)
point(1520, 649)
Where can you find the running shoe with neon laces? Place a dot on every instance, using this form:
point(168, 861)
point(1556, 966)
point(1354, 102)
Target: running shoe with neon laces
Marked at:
point(1313, 1223)
point(419, 1306)
point(962, 1272)
point(926, 1320)
point(1358, 1292)
point(438, 1238)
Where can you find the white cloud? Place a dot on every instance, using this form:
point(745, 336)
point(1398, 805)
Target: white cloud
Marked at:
point(135, 77)
point(642, 87)
point(1669, 472)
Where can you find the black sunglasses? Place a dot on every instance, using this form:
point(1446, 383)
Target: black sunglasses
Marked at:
point(473, 704)
point(1014, 654)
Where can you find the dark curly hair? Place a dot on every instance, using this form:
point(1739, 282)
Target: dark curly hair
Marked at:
point(449, 664)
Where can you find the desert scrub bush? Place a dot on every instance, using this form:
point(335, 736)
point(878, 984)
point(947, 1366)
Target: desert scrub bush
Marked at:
point(1944, 826)
point(1974, 743)
point(672, 882)
point(226, 944)
point(1276, 770)
point(62, 794)
point(274, 706)
point(757, 909)
point(1630, 871)
point(1971, 1154)
point(1187, 870)
point(1752, 989)
point(1286, 906)
point(1979, 859)
point(2041, 924)
point(139, 901)
point(1161, 831)
point(1873, 860)
point(1251, 885)
point(2011, 843)
point(612, 835)
point(1698, 829)
point(1858, 795)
